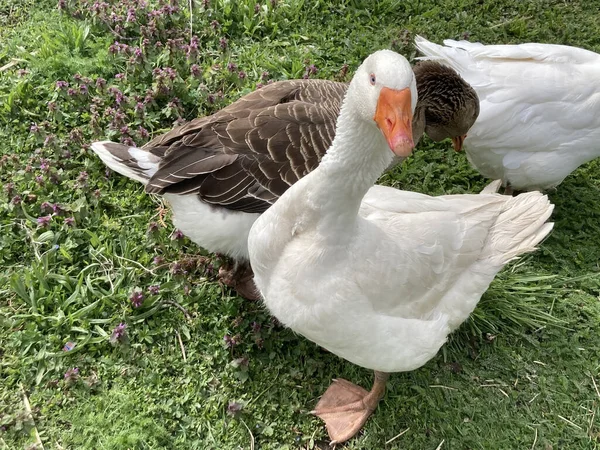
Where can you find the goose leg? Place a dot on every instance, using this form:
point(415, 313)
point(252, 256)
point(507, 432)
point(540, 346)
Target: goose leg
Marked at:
point(345, 407)
point(241, 278)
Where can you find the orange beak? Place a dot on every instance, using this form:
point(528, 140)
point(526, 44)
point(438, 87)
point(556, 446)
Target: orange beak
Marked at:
point(457, 142)
point(394, 119)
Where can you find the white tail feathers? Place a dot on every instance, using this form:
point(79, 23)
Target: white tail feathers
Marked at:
point(132, 162)
point(452, 55)
point(520, 227)
point(492, 188)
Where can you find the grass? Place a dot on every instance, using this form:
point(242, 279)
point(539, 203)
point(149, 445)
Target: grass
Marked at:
point(197, 367)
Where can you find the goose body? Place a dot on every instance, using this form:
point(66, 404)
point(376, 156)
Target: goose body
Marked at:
point(220, 172)
point(539, 108)
point(376, 275)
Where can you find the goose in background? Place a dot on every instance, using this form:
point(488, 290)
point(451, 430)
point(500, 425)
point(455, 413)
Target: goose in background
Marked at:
point(539, 108)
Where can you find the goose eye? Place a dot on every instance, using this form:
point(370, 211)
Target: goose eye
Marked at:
point(372, 79)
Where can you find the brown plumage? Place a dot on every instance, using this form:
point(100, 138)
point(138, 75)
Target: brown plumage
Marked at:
point(246, 155)
point(449, 104)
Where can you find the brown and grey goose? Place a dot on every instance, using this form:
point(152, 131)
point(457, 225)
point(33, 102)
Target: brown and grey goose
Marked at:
point(220, 172)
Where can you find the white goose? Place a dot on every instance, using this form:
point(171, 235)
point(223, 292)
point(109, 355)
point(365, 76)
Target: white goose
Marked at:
point(376, 275)
point(540, 108)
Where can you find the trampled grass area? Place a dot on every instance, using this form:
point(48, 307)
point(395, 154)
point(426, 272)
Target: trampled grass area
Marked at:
point(197, 367)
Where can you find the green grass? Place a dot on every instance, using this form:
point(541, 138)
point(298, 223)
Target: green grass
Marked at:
point(521, 373)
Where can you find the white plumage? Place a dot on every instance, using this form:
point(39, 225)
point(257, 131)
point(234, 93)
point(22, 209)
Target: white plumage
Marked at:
point(540, 108)
point(376, 275)
point(384, 289)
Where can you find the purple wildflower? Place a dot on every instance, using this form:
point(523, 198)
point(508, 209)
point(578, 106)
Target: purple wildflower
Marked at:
point(256, 327)
point(215, 25)
point(39, 180)
point(82, 178)
point(83, 89)
point(310, 70)
point(234, 408)
point(100, 83)
point(44, 221)
point(232, 67)
point(69, 221)
point(9, 188)
point(119, 98)
point(22, 72)
point(195, 70)
point(76, 136)
point(223, 43)
point(61, 84)
point(72, 375)
point(45, 207)
point(118, 334)
point(170, 9)
point(158, 260)
point(154, 289)
point(52, 106)
point(16, 200)
point(49, 140)
point(177, 269)
point(241, 75)
point(177, 234)
point(44, 165)
point(139, 108)
point(229, 341)
point(137, 298)
point(143, 132)
point(34, 128)
point(130, 15)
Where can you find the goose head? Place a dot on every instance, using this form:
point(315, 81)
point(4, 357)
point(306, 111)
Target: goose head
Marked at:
point(448, 105)
point(383, 92)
